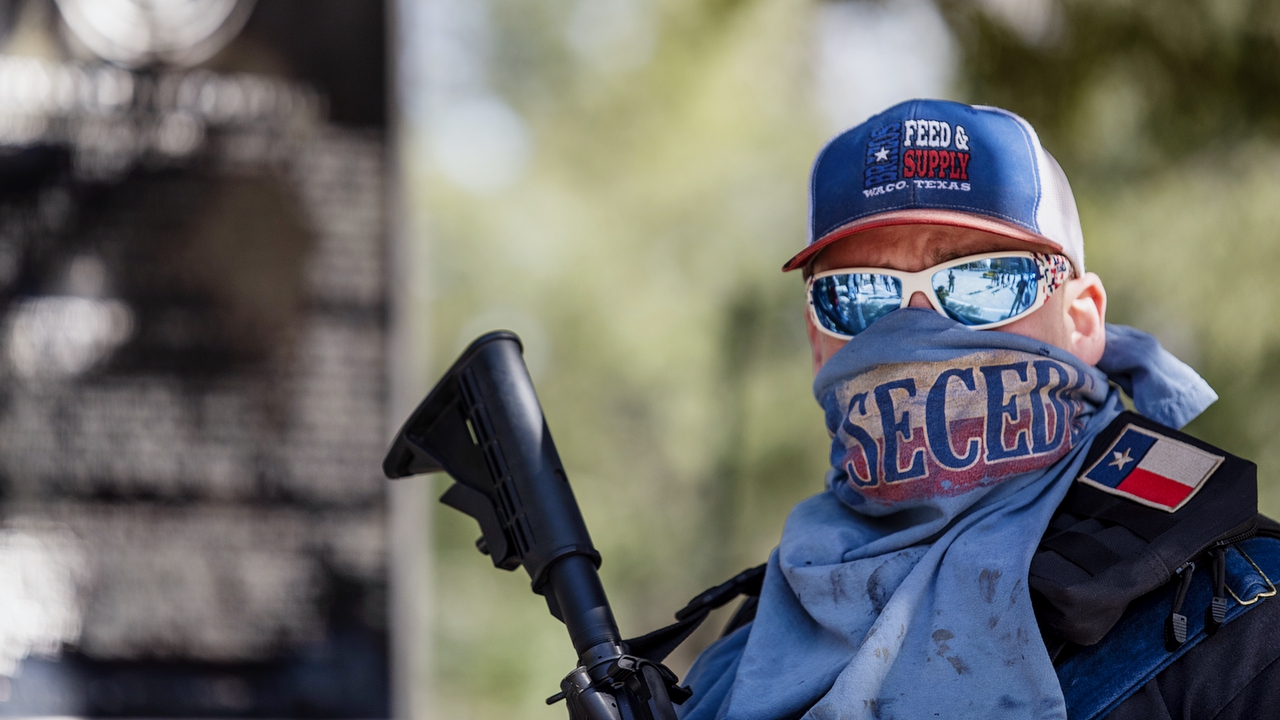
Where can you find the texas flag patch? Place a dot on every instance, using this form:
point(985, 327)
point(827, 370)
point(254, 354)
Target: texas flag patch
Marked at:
point(1151, 469)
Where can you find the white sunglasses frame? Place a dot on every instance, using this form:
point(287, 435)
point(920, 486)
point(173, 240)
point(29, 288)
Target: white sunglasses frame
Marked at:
point(1054, 271)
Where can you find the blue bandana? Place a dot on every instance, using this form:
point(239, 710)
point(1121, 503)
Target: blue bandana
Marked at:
point(901, 591)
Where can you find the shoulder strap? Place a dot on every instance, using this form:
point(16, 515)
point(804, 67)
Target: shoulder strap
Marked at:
point(657, 645)
point(1098, 678)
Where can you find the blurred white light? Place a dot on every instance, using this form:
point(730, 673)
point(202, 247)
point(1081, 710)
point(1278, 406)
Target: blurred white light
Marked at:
point(59, 336)
point(179, 134)
point(30, 87)
point(612, 35)
point(114, 89)
point(479, 143)
point(137, 32)
point(446, 46)
point(21, 129)
point(871, 55)
point(42, 574)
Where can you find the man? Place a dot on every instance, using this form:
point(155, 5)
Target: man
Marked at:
point(997, 536)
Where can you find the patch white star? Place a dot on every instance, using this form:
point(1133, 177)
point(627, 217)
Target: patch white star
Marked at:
point(882, 155)
point(1120, 460)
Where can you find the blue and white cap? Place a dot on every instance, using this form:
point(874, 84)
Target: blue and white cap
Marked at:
point(936, 162)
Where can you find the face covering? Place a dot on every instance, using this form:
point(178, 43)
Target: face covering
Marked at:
point(901, 591)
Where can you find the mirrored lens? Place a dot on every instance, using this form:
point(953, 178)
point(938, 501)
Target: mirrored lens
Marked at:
point(847, 304)
point(987, 291)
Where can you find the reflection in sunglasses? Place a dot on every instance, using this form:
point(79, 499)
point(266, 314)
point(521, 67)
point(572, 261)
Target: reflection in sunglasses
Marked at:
point(979, 293)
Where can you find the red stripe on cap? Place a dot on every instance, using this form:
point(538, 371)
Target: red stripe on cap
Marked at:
point(1155, 488)
point(951, 218)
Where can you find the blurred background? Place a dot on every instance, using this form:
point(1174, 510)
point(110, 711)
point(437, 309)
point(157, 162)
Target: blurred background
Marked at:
point(239, 240)
point(619, 181)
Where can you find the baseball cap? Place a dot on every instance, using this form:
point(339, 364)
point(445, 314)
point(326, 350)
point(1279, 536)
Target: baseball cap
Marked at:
point(937, 162)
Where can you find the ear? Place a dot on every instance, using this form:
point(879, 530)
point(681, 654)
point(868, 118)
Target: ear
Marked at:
point(1086, 317)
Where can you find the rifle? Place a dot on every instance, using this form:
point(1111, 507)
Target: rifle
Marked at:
point(483, 425)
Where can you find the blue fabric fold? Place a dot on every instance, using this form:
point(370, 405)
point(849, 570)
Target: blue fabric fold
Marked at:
point(901, 590)
point(1163, 387)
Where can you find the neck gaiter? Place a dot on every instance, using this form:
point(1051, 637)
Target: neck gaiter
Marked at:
point(901, 591)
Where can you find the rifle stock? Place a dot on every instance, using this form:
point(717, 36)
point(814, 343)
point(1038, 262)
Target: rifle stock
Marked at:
point(483, 425)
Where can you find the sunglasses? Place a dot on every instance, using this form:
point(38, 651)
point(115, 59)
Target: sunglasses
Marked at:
point(980, 291)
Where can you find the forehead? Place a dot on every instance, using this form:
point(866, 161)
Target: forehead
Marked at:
point(912, 247)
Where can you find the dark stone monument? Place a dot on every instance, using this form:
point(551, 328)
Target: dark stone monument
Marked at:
point(192, 359)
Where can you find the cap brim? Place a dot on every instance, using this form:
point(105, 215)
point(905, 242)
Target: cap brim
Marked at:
point(922, 217)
